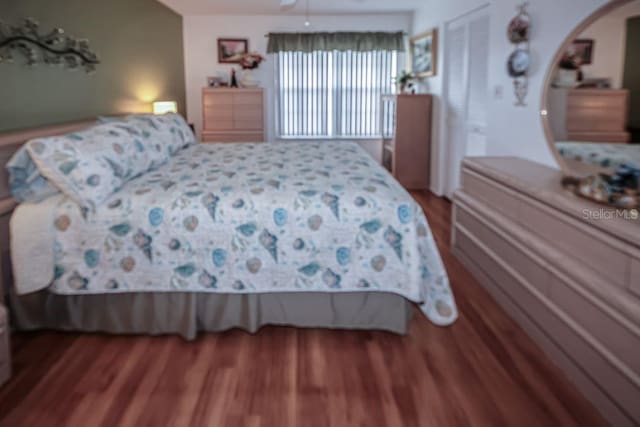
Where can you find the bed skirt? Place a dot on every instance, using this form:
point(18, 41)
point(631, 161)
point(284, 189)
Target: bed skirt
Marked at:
point(186, 313)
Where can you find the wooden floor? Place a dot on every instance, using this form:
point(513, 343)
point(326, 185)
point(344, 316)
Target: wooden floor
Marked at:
point(482, 371)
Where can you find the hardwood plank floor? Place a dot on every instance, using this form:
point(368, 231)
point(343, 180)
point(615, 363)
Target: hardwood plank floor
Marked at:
point(482, 371)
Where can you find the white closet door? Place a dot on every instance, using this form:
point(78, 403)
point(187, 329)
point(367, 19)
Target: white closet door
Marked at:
point(465, 91)
point(478, 86)
point(456, 94)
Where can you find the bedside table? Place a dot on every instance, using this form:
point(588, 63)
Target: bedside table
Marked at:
point(5, 360)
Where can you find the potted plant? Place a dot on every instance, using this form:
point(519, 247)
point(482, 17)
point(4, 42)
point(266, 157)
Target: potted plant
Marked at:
point(248, 63)
point(405, 81)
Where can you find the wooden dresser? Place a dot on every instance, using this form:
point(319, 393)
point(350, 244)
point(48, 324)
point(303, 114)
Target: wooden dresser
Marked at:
point(406, 143)
point(567, 270)
point(5, 278)
point(5, 361)
point(232, 115)
point(589, 115)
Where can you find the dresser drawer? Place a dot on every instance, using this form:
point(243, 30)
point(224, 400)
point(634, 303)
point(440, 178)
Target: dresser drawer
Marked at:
point(216, 123)
point(537, 276)
point(250, 125)
point(217, 99)
point(596, 110)
point(506, 283)
point(594, 120)
point(595, 136)
point(634, 276)
point(604, 101)
point(592, 252)
point(612, 334)
point(232, 136)
point(248, 112)
point(5, 361)
point(5, 373)
point(249, 118)
point(487, 191)
point(218, 111)
point(248, 99)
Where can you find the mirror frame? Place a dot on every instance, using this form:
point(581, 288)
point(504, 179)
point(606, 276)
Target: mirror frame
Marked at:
point(548, 79)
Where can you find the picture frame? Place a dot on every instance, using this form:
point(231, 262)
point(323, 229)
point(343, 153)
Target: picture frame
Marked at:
point(230, 50)
point(216, 82)
point(583, 49)
point(424, 53)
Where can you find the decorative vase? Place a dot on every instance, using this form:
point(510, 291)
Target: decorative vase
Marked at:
point(248, 79)
point(566, 78)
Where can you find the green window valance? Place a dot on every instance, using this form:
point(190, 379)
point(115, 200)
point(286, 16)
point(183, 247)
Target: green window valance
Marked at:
point(342, 41)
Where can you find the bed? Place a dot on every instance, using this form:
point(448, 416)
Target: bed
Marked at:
point(604, 155)
point(309, 234)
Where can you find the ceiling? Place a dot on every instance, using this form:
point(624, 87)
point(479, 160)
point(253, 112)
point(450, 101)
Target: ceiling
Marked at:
point(271, 7)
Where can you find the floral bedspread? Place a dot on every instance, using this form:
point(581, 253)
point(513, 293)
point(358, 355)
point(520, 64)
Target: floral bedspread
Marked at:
point(238, 218)
point(601, 154)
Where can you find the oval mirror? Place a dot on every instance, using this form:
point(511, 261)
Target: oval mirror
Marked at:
point(591, 100)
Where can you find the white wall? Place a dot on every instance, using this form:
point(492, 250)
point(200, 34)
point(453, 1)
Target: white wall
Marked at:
point(512, 131)
point(609, 34)
point(200, 47)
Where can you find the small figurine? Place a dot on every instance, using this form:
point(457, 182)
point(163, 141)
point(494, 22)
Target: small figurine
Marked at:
point(234, 80)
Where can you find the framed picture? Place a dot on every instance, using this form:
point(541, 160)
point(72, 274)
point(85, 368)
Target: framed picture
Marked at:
point(582, 49)
point(424, 53)
point(231, 50)
point(216, 82)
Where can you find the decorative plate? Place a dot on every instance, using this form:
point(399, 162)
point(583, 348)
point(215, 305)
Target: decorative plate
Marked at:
point(518, 63)
point(518, 30)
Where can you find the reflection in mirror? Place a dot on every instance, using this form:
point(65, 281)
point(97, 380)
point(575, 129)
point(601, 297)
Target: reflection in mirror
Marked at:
point(593, 94)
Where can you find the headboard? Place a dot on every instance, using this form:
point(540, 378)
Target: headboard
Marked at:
point(9, 144)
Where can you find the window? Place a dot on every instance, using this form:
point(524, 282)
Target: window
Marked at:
point(332, 94)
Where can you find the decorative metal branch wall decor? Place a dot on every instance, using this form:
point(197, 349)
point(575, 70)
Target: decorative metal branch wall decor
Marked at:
point(520, 60)
point(54, 48)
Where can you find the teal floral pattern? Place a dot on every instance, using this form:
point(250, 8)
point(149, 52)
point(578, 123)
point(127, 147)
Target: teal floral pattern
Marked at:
point(238, 218)
point(25, 180)
point(601, 154)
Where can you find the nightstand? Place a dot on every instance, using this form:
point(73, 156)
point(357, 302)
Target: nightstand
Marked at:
point(5, 359)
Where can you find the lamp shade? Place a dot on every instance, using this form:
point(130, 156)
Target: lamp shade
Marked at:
point(163, 107)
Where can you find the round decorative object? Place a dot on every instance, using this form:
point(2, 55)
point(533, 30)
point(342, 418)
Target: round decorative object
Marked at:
point(518, 63)
point(518, 30)
point(248, 79)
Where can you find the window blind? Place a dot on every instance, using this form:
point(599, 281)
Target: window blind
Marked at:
point(332, 94)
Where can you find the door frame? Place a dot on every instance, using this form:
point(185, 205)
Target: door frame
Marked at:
point(445, 151)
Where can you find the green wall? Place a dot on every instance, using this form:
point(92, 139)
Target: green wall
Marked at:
point(139, 44)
